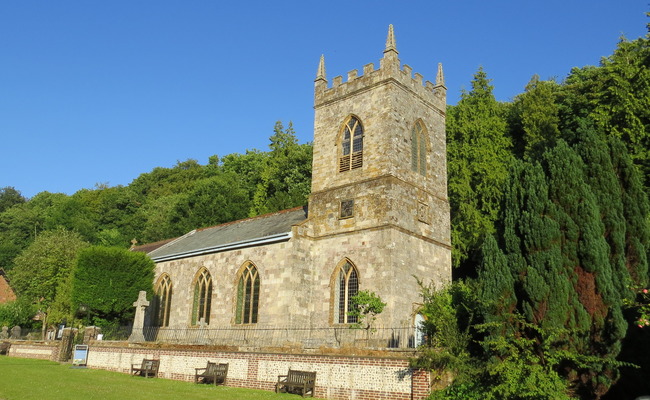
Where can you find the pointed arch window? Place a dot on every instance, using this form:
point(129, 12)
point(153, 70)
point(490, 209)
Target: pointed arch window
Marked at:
point(351, 156)
point(419, 148)
point(346, 286)
point(248, 295)
point(163, 300)
point(202, 298)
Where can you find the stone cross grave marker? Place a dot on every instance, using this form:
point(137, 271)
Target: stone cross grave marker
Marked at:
point(138, 322)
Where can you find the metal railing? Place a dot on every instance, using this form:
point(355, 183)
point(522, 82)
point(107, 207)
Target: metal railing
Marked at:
point(264, 337)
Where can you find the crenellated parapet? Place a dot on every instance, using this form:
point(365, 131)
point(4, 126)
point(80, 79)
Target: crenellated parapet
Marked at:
point(390, 70)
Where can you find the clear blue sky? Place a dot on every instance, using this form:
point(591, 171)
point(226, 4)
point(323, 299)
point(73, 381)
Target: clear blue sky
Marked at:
point(102, 91)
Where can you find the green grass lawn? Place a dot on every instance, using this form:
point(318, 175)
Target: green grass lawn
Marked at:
point(25, 379)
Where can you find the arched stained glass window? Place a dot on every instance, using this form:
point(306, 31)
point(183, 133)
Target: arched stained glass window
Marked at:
point(202, 298)
point(346, 286)
point(419, 148)
point(163, 300)
point(248, 295)
point(351, 155)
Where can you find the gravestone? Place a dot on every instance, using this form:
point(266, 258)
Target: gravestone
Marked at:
point(5, 333)
point(138, 322)
point(15, 332)
point(90, 333)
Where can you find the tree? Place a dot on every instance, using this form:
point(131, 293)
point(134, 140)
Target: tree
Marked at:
point(616, 97)
point(286, 173)
point(365, 307)
point(564, 274)
point(107, 280)
point(535, 119)
point(18, 312)
point(213, 201)
point(20, 224)
point(248, 168)
point(478, 158)
point(156, 216)
point(42, 270)
point(9, 197)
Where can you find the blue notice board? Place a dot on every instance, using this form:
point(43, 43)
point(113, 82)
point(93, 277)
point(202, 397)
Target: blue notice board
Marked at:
point(80, 354)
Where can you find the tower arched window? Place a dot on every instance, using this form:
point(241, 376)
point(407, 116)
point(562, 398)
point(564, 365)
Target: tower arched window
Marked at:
point(346, 286)
point(202, 298)
point(248, 295)
point(163, 300)
point(351, 153)
point(418, 148)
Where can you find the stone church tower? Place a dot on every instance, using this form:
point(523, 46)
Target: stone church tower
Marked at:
point(379, 203)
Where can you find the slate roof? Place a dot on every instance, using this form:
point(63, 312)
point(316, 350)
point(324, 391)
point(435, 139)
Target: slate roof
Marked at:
point(254, 231)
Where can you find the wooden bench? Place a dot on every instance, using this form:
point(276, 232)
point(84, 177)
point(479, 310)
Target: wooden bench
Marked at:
point(212, 373)
point(299, 382)
point(4, 347)
point(148, 368)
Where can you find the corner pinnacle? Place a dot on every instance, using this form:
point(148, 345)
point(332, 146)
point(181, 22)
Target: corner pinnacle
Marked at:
point(390, 40)
point(440, 77)
point(320, 75)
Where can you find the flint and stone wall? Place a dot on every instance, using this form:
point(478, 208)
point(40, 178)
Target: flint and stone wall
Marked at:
point(338, 377)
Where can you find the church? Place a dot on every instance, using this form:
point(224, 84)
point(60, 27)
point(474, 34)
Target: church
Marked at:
point(377, 219)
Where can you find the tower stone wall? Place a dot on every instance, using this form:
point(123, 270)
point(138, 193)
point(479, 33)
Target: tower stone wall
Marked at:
point(400, 223)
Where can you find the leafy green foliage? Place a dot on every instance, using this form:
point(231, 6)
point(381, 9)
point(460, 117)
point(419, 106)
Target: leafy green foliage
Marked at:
point(43, 269)
point(365, 306)
point(615, 97)
point(286, 173)
point(10, 197)
point(107, 280)
point(524, 366)
point(18, 312)
point(535, 118)
point(448, 315)
point(213, 201)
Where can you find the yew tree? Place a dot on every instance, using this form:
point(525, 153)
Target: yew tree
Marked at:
point(479, 154)
point(107, 281)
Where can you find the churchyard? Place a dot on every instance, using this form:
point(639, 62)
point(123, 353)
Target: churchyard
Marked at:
point(27, 379)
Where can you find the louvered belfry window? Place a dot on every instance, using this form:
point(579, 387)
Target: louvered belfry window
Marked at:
point(351, 146)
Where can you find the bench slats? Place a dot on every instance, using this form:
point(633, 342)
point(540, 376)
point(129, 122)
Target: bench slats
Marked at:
point(212, 373)
point(148, 368)
point(295, 381)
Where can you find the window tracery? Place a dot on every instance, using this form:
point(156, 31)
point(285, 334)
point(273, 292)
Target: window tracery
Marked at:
point(248, 294)
point(202, 298)
point(346, 286)
point(163, 300)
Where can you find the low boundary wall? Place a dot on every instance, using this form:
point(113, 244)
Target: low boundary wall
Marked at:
point(40, 350)
point(339, 377)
